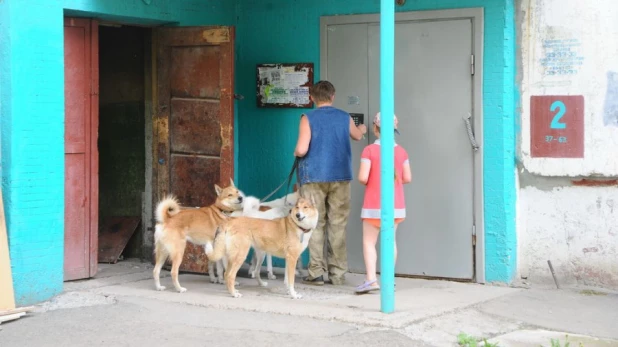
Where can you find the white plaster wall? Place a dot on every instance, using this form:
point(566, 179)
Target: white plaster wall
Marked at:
point(594, 27)
point(574, 227)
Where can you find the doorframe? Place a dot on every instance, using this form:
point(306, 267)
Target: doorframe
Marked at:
point(91, 26)
point(476, 16)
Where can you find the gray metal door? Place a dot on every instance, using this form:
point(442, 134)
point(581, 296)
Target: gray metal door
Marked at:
point(433, 91)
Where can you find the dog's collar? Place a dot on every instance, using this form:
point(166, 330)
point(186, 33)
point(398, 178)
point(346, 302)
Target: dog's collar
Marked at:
point(227, 213)
point(303, 229)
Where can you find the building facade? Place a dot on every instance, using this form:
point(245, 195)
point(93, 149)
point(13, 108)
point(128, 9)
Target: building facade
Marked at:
point(538, 201)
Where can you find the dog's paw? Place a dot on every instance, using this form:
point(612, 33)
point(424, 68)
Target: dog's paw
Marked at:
point(237, 294)
point(160, 288)
point(213, 280)
point(295, 295)
point(181, 289)
point(219, 280)
point(252, 274)
point(263, 284)
point(297, 273)
point(271, 276)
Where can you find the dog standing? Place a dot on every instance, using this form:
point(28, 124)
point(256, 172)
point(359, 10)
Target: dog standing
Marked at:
point(175, 227)
point(279, 237)
point(269, 210)
point(284, 205)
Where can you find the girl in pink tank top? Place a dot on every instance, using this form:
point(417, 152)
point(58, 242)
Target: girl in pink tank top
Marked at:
point(369, 175)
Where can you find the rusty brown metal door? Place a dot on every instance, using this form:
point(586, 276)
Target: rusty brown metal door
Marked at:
point(194, 118)
point(81, 158)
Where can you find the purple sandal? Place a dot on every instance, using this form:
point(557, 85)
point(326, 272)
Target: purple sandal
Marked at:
point(367, 286)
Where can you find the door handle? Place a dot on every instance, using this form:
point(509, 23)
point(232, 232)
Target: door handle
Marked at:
point(473, 142)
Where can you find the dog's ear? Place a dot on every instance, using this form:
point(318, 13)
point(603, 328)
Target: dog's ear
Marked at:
point(295, 189)
point(218, 189)
point(312, 200)
point(232, 183)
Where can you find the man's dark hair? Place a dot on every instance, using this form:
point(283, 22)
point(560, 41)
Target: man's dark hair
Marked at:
point(323, 91)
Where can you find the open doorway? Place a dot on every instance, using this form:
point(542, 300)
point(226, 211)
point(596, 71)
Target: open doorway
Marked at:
point(122, 141)
point(112, 127)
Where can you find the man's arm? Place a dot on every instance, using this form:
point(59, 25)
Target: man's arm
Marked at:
point(304, 137)
point(357, 132)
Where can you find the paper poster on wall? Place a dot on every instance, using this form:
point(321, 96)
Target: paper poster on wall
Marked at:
point(610, 106)
point(557, 126)
point(284, 85)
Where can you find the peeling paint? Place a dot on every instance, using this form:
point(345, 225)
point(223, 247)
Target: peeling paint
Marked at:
point(226, 136)
point(595, 183)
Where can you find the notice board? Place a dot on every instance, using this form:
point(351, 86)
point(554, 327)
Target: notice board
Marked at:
point(557, 126)
point(284, 85)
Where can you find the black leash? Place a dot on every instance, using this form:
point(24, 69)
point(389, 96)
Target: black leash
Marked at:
point(289, 180)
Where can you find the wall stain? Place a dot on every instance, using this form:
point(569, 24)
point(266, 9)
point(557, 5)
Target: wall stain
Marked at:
point(590, 250)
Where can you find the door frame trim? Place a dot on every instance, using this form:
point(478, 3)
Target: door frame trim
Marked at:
point(476, 16)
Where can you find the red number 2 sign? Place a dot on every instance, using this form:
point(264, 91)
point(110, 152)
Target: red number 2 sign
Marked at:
point(557, 126)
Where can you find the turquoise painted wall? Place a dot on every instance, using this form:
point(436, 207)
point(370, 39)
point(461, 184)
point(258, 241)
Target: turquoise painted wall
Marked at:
point(288, 31)
point(32, 121)
point(32, 112)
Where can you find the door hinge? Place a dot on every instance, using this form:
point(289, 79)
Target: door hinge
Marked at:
point(472, 64)
point(474, 235)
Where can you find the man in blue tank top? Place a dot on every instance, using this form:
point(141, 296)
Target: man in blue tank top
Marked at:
point(325, 171)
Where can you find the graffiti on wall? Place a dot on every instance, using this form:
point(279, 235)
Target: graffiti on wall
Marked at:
point(610, 109)
point(562, 57)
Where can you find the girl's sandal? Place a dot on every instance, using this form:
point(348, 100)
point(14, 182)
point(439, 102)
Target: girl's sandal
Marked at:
point(367, 287)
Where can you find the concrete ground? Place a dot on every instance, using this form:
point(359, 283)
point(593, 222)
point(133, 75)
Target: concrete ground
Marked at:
point(120, 307)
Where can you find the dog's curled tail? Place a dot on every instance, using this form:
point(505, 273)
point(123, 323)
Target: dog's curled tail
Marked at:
point(166, 208)
point(216, 250)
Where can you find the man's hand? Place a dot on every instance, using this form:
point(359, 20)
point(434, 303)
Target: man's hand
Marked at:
point(357, 132)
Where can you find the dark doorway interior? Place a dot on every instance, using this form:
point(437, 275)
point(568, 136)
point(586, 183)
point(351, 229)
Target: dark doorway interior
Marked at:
point(121, 133)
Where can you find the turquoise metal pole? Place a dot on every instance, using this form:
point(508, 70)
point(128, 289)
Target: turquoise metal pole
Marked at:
point(387, 154)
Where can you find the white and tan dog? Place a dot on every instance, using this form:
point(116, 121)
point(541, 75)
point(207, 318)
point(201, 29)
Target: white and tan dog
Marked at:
point(268, 210)
point(175, 227)
point(279, 237)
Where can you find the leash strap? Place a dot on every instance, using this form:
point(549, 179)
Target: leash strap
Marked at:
point(288, 180)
